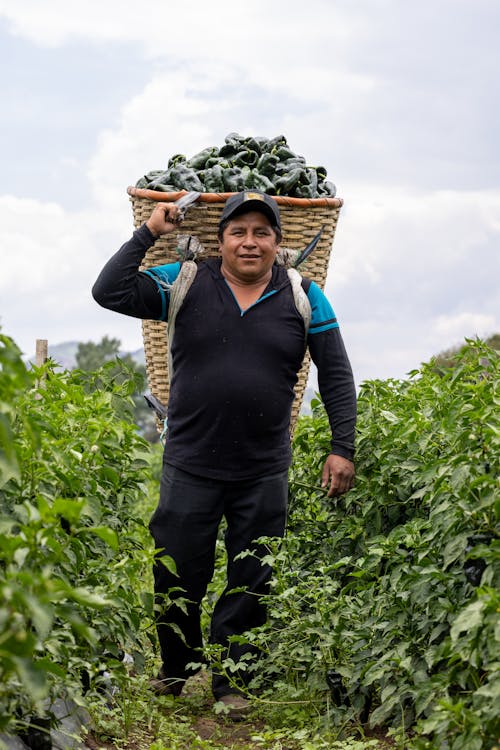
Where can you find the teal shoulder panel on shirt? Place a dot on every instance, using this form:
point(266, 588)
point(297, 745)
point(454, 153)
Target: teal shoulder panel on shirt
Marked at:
point(323, 317)
point(164, 276)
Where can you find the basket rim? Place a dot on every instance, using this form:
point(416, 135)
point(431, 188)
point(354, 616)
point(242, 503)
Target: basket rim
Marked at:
point(282, 200)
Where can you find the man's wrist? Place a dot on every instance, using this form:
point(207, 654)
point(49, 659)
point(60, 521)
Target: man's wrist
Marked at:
point(343, 451)
point(151, 232)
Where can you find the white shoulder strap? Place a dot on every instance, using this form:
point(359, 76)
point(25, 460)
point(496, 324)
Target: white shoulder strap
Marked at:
point(301, 299)
point(186, 277)
point(178, 291)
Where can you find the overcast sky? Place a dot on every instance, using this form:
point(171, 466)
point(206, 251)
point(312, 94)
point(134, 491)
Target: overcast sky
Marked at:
point(399, 100)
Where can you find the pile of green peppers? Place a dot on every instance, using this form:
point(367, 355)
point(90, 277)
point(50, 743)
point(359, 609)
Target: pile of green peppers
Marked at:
point(243, 163)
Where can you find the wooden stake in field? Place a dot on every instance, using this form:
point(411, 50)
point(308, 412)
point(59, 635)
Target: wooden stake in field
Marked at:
point(41, 356)
point(42, 351)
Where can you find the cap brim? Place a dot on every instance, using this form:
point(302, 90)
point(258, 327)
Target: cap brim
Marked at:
point(253, 205)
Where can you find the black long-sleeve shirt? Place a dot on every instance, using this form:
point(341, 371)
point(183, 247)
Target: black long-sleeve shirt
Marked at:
point(234, 371)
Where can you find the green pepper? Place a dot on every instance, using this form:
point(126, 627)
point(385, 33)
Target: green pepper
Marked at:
point(243, 163)
point(245, 158)
point(162, 187)
point(282, 169)
point(229, 150)
point(213, 160)
point(251, 144)
point(286, 165)
point(149, 177)
point(263, 183)
point(233, 144)
point(284, 153)
point(185, 178)
point(330, 188)
point(199, 160)
point(276, 142)
point(159, 178)
point(261, 143)
point(234, 137)
point(304, 191)
point(312, 179)
point(176, 159)
point(285, 185)
point(267, 165)
point(154, 174)
point(233, 180)
point(247, 175)
point(214, 180)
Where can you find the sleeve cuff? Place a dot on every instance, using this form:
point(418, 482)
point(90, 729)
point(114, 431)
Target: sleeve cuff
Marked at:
point(342, 450)
point(145, 236)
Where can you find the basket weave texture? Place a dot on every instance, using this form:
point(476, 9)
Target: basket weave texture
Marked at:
point(301, 219)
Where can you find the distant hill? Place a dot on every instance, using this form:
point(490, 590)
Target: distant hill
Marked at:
point(65, 355)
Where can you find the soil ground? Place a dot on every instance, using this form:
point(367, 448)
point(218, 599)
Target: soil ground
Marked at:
point(194, 709)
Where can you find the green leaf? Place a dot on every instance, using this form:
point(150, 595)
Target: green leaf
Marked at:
point(71, 509)
point(469, 618)
point(33, 677)
point(103, 532)
point(168, 562)
point(42, 615)
point(7, 524)
point(9, 467)
point(389, 416)
point(490, 690)
point(88, 598)
point(454, 548)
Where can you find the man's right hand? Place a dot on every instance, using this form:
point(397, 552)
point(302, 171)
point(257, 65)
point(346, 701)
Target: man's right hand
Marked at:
point(164, 219)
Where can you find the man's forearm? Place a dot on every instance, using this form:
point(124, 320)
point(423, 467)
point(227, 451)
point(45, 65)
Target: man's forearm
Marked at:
point(337, 389)
point(121, 287)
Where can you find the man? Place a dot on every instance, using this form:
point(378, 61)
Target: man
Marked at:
point(238, 345)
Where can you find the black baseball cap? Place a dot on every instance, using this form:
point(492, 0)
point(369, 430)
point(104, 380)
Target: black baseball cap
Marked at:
point(251, 200)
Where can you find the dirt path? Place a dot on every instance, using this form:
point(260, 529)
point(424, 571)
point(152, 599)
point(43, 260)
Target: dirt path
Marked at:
point(189, 722)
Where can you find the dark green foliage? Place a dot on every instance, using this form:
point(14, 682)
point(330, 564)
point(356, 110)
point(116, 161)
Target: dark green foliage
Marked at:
point(72, 545)
point(385, 602)
point(91, 356)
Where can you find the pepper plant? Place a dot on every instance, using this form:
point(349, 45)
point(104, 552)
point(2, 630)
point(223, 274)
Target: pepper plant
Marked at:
point(384, 607)
point(72, 544)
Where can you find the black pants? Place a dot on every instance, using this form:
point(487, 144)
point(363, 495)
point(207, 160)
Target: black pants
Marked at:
point(185, 526)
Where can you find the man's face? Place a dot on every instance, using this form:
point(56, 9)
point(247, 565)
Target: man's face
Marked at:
point(248, 247)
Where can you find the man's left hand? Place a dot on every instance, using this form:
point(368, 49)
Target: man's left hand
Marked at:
point(338, 472)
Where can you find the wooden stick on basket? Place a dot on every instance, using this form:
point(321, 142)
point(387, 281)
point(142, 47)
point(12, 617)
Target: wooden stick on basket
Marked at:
point(301, 218)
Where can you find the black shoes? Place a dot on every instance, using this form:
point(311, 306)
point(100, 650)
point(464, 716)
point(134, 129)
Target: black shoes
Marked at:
point(237, 707)
point(162, 685)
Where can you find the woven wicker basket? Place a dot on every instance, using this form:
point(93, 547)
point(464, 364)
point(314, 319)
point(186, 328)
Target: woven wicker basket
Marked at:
point(301, 218)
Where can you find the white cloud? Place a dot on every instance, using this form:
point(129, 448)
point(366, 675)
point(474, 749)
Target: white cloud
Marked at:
point(166, 118)
point(50, 259)
point(398, 237)
point(276, 47)
point(412, 274)
point(466, 324)
point(356, 88)
point(219, 29)
point(343, 81)
point(43, 246)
